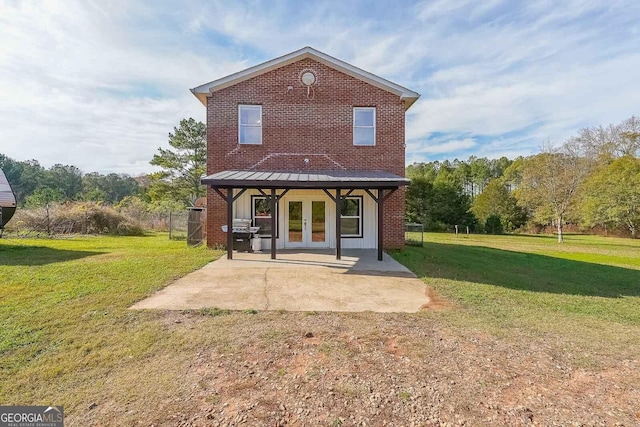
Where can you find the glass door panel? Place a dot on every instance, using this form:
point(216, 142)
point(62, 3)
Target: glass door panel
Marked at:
point(295, 222)
point(318, 233)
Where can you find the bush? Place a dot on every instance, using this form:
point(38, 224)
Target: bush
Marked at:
point(153, 216)
point(493, 225)
point(75, 218)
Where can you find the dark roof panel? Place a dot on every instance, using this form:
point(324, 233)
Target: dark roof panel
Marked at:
point(307, 179)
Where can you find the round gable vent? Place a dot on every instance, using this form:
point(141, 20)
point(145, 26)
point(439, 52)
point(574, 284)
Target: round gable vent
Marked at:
point(308, 78)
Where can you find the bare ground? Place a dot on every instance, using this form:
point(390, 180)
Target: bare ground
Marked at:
point(330, 369)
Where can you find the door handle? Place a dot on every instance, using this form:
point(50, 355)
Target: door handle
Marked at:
point(304, 223)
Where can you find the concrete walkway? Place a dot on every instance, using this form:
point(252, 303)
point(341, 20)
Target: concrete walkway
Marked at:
point(296, 281)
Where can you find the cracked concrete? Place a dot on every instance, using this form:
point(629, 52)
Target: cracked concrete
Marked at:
point(296, 281)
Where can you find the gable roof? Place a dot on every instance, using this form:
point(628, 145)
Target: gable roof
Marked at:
point(201, 92)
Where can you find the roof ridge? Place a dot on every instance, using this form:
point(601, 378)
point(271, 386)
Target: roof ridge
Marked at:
point(201, 92)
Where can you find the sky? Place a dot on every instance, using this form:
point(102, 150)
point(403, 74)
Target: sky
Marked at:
point(100, 84)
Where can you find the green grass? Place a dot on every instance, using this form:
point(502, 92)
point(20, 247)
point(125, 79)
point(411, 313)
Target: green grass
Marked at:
point(587, 287)
point(63, 308)
point(67, 336)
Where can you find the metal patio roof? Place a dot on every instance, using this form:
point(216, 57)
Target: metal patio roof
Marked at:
point(305, 179)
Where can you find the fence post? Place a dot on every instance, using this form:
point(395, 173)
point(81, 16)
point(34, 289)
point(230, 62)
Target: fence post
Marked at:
point(170, 225)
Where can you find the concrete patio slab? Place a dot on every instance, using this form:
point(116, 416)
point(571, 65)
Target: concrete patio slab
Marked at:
point(296, 281)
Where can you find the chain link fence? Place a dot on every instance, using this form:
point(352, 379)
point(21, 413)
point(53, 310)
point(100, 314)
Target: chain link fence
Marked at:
point(76, 219)
point(414, 234)
point(177, 225)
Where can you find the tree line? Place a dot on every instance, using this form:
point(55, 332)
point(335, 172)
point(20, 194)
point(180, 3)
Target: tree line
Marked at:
point(175, 186)
point(33, 184)
point(590, 180)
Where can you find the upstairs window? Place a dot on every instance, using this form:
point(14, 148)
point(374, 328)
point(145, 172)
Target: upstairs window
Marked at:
point(364, 126)
point(250, 124)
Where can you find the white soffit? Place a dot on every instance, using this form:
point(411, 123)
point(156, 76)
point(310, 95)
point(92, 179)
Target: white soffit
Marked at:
point(201, 92)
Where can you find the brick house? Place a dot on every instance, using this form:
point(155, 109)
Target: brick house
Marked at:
point(313, 139)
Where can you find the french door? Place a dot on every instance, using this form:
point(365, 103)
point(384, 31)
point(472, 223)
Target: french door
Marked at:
point(306, 224)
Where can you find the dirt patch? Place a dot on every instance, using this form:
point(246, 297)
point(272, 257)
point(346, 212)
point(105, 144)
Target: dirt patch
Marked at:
point(435, 301)
point(367, 369)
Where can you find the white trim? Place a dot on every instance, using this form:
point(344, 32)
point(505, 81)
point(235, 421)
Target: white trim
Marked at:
point(307, 222)
point(253, 215)
point(242, 209)
point(203, 91)
point(360, 200)
point(364, 127)
point(240, 125)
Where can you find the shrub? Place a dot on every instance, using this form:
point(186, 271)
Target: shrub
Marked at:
point(493, 225)
point(72, 218)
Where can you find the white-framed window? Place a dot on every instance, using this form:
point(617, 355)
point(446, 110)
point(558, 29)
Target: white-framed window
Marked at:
point(364, 126)
point(261, 215)
point(351, 217)
point(250, 124)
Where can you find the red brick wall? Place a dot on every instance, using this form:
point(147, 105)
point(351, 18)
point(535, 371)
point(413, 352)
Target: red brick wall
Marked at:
point(297, 126)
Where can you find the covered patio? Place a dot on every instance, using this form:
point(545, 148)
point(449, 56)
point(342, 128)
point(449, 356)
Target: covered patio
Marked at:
point(297, 281)
point(338, 185)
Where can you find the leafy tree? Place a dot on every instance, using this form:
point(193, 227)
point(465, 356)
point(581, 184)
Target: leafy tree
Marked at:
point(493, 224)
point(512, 175)
point(498, 166)
point(497, 201)
point(550, 181)
point(183, 167)
point(612, 195)
point(613, 141)
point(24, 177)
point(418, 205)
point(44, 196)
point(110, 188)
point(451, 207)
point(66, 178)
point(437, 205)
point(446, 177)
point(463, 174)
point(480, 173)
point(426, 171)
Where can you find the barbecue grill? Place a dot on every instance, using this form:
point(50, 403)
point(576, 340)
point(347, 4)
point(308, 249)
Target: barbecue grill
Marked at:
point(242, 234)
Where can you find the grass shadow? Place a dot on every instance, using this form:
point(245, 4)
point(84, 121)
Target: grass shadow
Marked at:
point(38, 255)
point(519, 270)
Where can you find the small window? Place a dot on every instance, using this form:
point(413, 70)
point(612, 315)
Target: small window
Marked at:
point(261, 215)
point(364, 126)
point(351, 217)
point(250, 124)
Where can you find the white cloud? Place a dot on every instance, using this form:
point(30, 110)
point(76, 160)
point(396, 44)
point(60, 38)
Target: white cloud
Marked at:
point(446, 147)
point(101, 86)
point(80, 86)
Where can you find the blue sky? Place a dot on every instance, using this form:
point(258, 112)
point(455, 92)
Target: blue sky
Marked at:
point(100, 84)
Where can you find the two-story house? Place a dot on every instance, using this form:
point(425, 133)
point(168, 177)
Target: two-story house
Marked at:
point(310, 149)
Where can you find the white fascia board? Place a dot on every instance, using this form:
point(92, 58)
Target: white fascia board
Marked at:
point(201, 92)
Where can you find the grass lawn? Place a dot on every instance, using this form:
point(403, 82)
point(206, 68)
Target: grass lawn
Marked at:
point(555, 328)
point(586, 289)
point(63, 310)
